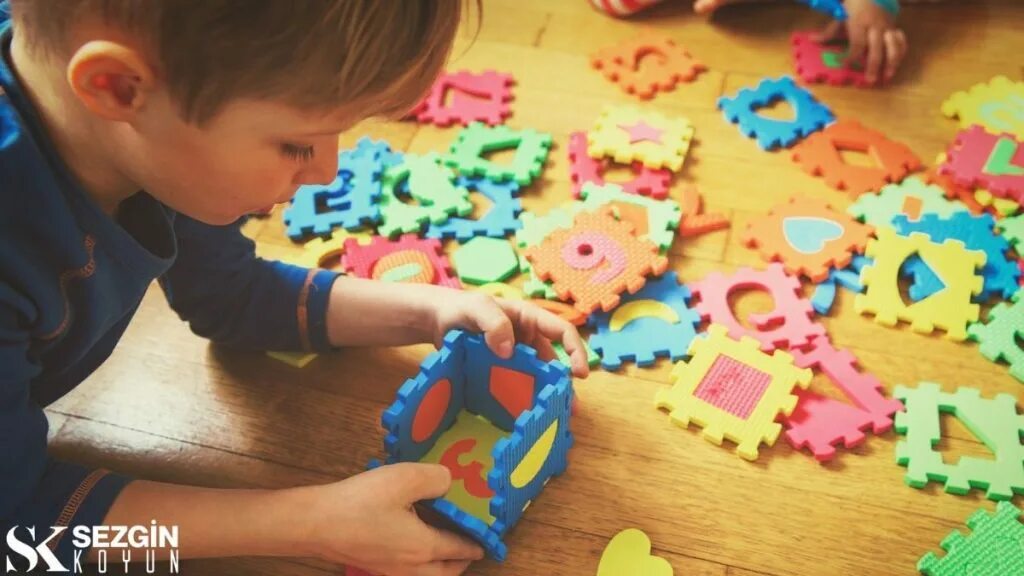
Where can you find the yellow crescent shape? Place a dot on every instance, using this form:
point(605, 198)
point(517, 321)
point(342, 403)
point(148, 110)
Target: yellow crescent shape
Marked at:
point(534, 460)
point(641, 309)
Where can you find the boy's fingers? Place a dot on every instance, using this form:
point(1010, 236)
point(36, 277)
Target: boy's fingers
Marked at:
point(830, 33)
point(499, 334)
point(876, 53)
point(893, 53)
point(858, 43)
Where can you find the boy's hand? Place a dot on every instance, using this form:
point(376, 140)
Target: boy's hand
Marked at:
point(368, 521)
point(874, 38)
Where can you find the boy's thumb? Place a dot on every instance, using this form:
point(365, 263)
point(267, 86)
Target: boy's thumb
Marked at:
point(425, 481)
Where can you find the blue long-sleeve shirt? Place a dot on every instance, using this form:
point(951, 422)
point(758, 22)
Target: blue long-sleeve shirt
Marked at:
point(72, 277)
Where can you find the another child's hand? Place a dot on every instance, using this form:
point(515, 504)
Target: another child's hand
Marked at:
point(368, 521)
point(874, 38)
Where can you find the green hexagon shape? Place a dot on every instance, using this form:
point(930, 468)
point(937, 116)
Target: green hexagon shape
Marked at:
point(483, 260)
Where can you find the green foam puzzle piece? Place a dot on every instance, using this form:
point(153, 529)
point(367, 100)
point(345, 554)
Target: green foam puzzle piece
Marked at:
point(662, 215)
point(534, 230)
point(592, 357)
point(431, 185)
point(483, 260)
point(998, 337)
point(995, 546)
point(1013, 230)
point(994, 421)
point(531, 152)
point(879, 209)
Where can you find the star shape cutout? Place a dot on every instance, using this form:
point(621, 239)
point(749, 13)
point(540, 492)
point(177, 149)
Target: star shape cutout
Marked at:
point(642, 131)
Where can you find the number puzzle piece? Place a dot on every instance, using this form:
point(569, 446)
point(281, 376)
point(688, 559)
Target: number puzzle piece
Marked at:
point(484, 260)
point(464, 97)
point(629, 135)
point(790, 325)
point(1013, 230)
point(977, 233)
point(531, 151)
point(999, 336)
point(833, 8)
point(733, 390)
point(820, 423)
point(654, 220)
point(500, 220)
point(584, 169)
point(994, 421)
point(808, 237)
point(816, 62)
point(654, 322)
point(809, 115)
point(992, 549)
point(665, 64)
point(998, 106)
point(596, 260)
point(428, 183)
point(819, 155)
point(695, 222)
point(407, 259)
point(911, 197)
point(629, 552)
point(989, 161)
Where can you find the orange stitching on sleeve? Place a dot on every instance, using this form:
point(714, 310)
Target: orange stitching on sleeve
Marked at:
point(65, 278)
point(303, 311)
point(75, 502)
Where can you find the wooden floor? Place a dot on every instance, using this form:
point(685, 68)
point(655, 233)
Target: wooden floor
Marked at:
point(169, 406)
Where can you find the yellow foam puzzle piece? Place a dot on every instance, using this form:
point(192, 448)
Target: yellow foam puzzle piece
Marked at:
point(502, 290)
point(294, 359)
point(318, 251)
point(611, 137)
point(1004, 206)
point(629, 554)
point(998, 106)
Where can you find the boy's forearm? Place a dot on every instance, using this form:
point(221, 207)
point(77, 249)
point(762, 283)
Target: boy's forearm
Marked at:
point(365, 312)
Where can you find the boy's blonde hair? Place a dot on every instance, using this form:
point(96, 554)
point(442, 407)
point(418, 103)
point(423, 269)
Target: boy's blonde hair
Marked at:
point(377, 57)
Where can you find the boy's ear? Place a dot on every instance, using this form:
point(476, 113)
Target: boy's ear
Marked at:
point(111, 79)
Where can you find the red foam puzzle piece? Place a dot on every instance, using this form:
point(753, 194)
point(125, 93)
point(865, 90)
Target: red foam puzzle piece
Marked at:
point(994, 162)
point(583, 168)
point(817, 63)
point(480, 97)
point(408, 259)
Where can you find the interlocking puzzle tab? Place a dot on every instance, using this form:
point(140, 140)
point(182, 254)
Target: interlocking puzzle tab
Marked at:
point(500, 220)
point(808, 237)
point(654, 220)
point(911, 197)
point(733, 390)
point(666, 64)
point(464, 97)
point(819, 155)
point(994, 421)
point(809, 115)
point(408, 259)
point(993, 547)
point(997, 106)
point(990, 161)
point(998, 336)
point(816, 62)
point(820, 423)
point(427, 182)
point(501, 427)
point(584, 169)
point(627, 135)
point(531, 152)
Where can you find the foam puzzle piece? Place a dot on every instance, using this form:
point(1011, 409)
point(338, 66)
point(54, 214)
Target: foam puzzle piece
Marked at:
point(911, 197)
point(628, 134)
point(320, 252)
point(997, 106)
point(733, 390)
point(431, 185)
point(816, 62)
point(998, 336)
point(833, 8)
point(995, 205)
point(531, 152)
point(952, 190)
point(593, 358)
point(535, 228)
point(823, 297)
point(824, 293)
point(595, 261)
point(950, 309)
point(629, 552)
point(809, 115)
point(1013, 230)
point(408, 259)
point(350, 201)
point(790, 325)
point(564, 311)
point(695, 221)
point(470, 97)
point(584, 169)
point(820, 423)
point(484, 260)
point(992, 548)
point(977, 233)
point(994, 421)
point(665, 64)
point(654, 220)
point(654, 322)
point(500, 220)
point(293, 359)
point(808, 237)
point(819, 155)
point(994, 162)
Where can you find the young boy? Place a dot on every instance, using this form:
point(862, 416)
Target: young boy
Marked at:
point(133, 137)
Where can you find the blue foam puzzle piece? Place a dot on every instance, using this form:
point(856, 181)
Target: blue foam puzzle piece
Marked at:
point(833, 8)
point(643, 339)
point(809, 114)
point(824, 297)
point(925, 281)
point(501, 220)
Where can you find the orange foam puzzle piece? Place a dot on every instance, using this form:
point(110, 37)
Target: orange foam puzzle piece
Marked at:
point(664, 64)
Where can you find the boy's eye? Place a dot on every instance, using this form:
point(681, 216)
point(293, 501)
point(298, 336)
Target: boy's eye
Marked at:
point(298, 153)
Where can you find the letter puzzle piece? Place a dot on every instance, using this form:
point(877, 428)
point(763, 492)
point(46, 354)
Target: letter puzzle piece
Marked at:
point(911, 197)
point(997, 106)
point(994, 421)
point(819, 155)
point(790, 325)
point(949, 309)
point(833, 8)
point(733, 390)
point(809, 115)
point(992, 549)
point(464, 97)
point(584, 169)
point(407, 259)
point(999, 336)
point(429, 184)
point(817, 62)
point(628, 135)
point(808, 237)
point(531, 151)
point(654, 220)
point(596, 260)
point(629, 552)
point(500, 219)
point(665, 64)
point(350, 201)
point(654, 322)
point(820, 423)
point(989, 161)
point(485, 260)
point(977, 233)
point(695, 222)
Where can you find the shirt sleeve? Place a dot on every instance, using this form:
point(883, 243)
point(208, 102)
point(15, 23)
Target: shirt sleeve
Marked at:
point(233, 297)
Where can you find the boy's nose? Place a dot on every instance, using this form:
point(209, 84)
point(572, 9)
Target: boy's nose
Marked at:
point(322, 170)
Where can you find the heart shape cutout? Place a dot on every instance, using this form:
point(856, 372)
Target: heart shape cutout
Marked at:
point(809, 234)
point(629, 554)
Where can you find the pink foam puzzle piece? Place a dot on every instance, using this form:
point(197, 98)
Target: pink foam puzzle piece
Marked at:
point(482, 97)
point(817, 63)
point(994, 162)
point(583, 169)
